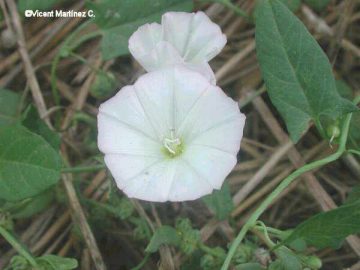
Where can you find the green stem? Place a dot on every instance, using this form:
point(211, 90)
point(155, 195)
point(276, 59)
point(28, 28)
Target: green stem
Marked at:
point(210, 251)
point(82, 169)
point(18, 247)
point(353, 151)
point(283, 185)
point(142, 263)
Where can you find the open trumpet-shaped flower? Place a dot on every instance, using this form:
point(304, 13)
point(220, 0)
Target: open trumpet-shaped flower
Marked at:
point(170, 136)
point(190, 39)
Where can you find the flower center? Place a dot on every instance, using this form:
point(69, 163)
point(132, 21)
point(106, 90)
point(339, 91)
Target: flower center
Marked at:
point(172, 145)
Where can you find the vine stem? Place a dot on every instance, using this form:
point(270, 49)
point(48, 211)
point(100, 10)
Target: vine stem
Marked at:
point(18, 247)
point(283, 185)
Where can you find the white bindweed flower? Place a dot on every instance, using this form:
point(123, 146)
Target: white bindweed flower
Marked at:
point(189, 39)
point(170, 136)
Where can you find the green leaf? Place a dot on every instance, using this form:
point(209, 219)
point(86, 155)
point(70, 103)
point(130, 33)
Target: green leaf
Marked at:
point(28, 164)
point(32, 121)
point(296, 71)
point(119, 19)
point(104, 85)
point(220, 202)
point(190, 237)
point(293, 5)
point(35, 205)
point(163, 235)
point(52, 262)
point(9, 103)
point(287, 259)
point(330, 228)
point(318, 5)
point(249, 266)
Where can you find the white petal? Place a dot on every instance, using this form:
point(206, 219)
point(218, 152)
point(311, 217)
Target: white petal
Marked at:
point(212, 164)
point(163, 55)
point(123, 127)
point(125, 168)
point(194, 35)
point(204, 69)
point(153, 183)
point(188, 184)
point(145, 39)
point(213, 109)
point(230, 134)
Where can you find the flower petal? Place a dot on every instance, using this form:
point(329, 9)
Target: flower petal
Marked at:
point(212, 164)
point(214, 105)
point(125, 168)
point(153, 183)
point(145, 39)
point(188, 184)
point(123, 127)
point(194, 35)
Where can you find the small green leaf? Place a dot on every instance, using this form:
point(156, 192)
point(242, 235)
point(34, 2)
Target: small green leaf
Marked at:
point(249, 266)
point(119, 19)
point(31, 120)
point(318, 5)
point(163, 235)
point(330, 228)
point(190, 237)
point(52, 262)
point(35, 205)
point(296, 71)
point(28, 164)
point(293, 5)
point(104, 85)
point(9, 103)
point(220, 202)
point(288, 260)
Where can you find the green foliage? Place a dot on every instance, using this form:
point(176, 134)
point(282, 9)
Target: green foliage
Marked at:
point(33, 205)
point(249, 266)
point(9, 103)
point(317, 5)
point(36, 4)
point(214, 260)
point(293, 5)
point(104, 85)
point(244, 253)
point(287, 260)
point(330, 228)
point(31, 120)
point(291, 61)
point(220, 202)
point(119, 19)
point(163, 235)
point(52, 262)
point(189, 237)
point(28, 164)
point(142, 230)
